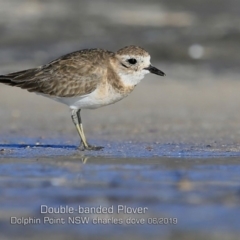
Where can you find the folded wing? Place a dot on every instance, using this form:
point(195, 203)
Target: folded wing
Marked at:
point(75, 74)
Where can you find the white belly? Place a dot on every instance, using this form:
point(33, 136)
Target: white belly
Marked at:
point(93, 100)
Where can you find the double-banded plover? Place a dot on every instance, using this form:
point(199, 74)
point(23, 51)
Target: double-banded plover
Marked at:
point(86, 79)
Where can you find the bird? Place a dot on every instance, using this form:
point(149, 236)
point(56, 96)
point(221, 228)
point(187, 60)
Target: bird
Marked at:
point(86, 79)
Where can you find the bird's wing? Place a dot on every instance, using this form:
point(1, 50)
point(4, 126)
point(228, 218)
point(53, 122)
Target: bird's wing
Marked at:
point(74, 74)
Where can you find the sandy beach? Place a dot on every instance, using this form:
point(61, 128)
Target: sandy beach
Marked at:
point(172, 147)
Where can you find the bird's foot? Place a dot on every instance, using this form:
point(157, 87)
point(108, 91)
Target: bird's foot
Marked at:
point(89, 147)
point(94, 148)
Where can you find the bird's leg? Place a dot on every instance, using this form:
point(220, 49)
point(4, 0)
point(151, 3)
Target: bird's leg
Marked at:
point(89, 147)
point(77, 125)
point(76, 117)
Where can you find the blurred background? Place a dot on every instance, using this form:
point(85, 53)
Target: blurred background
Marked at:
point(196, 43)
point(192, 112)
point(187, 32)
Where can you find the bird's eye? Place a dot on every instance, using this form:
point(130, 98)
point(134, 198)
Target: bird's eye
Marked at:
point(132, 61)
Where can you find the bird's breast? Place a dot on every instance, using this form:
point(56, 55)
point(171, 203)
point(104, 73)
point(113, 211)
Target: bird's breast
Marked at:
point(103, 95)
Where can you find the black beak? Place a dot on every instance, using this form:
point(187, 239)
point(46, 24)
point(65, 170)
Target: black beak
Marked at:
point(154, 70)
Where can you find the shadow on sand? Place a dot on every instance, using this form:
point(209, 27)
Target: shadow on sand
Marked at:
point(37, 146)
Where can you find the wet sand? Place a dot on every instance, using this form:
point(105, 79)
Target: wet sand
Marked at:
point(183, 198)
point(172, 146)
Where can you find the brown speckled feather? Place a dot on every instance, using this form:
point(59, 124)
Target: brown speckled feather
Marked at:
point(128, 50)
point(74, 74)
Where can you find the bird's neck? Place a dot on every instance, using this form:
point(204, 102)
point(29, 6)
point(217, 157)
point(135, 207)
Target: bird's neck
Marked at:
point(130, 80)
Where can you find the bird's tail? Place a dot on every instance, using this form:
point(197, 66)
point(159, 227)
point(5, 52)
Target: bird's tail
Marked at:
point(15, 78)
point(6, 80)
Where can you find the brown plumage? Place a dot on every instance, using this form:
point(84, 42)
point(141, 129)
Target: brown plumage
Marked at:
point(132, 50)
point(79, 72)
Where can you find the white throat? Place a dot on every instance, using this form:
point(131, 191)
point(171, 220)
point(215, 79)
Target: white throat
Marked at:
point(132, 79)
